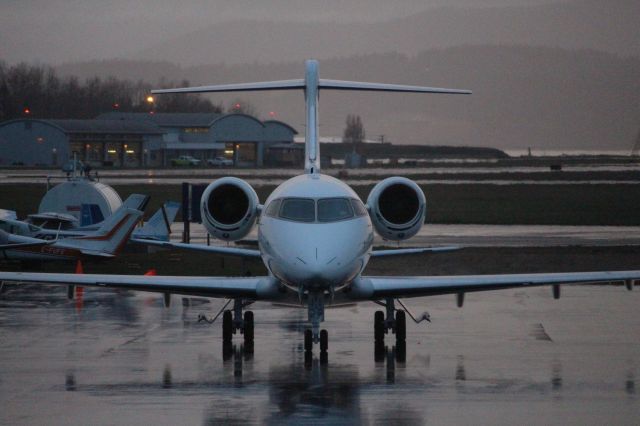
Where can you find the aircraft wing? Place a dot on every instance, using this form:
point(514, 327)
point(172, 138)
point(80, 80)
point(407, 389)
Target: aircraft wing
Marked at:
point(12, 246)
point(373, 288)
point(230, 251)
point(226, 287)
point(416, 250)
point(10, 241)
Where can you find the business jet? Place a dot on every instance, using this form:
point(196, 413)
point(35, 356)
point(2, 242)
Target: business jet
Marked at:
point(315, 238)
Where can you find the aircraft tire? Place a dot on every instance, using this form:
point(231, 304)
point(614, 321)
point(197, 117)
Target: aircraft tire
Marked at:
point(227, 326)
point(248, 326)
point(401, 351)
point(401, 326)
point(378, 326)
point(324, 340)
point(379, 351)
point(308, 340)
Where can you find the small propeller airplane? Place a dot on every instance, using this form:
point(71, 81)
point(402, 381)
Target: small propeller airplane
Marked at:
point(105, 242)
point(315, 237)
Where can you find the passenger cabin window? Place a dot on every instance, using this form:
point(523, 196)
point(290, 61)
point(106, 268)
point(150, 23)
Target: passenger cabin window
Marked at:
point(334, 209)
point(298, 209)
point(359, 208)
point(273, 208)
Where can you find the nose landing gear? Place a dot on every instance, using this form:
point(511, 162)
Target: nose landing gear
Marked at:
point(316, 316)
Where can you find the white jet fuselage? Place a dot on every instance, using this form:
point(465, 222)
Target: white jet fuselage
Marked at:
point(314, 255)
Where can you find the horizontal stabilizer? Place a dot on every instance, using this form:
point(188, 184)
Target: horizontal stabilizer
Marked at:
point(382, 87)
point(241, 87)
point(322, 84)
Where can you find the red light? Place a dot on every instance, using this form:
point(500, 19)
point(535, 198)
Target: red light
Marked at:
point(116, 106)
point(27, 111)
point(272, 113)
point(151, 112)
point(237, 106)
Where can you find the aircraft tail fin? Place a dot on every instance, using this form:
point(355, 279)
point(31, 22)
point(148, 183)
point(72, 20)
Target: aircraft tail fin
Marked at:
point(158, 227)
point(110, 237)
point(312, 85)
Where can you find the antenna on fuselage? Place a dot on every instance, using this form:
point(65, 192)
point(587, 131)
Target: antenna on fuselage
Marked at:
point(312, 85)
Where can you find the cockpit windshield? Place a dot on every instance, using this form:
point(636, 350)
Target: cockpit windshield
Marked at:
point(309, 210)
point(334, 209)
point(298, 209)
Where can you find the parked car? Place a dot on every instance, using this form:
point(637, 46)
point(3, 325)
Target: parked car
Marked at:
point(219, 162)
point(185, 160)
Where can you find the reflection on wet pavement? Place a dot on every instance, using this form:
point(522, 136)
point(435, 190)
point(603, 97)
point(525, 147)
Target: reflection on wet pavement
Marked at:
point(124, 358)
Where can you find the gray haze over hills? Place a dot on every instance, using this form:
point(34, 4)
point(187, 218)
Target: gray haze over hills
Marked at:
point(580, 91)
point(194, 32)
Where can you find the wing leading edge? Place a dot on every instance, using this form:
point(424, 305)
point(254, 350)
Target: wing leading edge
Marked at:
point(255, 288)
point(373, 288)
point(230, 251)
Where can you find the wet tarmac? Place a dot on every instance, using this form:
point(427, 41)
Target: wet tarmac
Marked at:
point(482, 236)
point(507, 357)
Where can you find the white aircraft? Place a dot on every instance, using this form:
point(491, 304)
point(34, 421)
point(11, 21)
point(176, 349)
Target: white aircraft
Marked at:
point(57, 225)
point(104, 243)
point(315, 238)
point(158, 227)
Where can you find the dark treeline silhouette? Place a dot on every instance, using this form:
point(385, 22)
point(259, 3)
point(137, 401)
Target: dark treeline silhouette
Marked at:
point(36, 91)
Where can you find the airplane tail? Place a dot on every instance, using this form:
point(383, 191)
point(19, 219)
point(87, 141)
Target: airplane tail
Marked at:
point(158, 227)
point(91, 216)
point(312, 85)
point(109, 239)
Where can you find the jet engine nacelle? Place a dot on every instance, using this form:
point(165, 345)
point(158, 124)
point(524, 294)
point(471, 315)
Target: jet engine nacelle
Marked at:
point(397, 207)
point(229, 208)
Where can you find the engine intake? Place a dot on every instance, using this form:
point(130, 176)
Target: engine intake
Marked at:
point(229, 208)
point(397, 207)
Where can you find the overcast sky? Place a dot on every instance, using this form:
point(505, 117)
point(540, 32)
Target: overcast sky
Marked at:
point(58, 31)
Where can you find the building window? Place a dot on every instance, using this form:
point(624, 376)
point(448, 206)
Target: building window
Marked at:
point(196, 130)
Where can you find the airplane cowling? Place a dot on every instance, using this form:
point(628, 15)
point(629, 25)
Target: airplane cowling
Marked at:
point(229, 208)
point(397, 207)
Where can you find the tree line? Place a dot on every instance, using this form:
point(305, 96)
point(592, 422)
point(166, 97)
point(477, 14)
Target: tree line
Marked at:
point(37, 91)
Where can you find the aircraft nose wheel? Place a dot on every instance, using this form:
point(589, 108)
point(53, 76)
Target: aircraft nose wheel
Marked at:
point(324, 341)
point(308, 340)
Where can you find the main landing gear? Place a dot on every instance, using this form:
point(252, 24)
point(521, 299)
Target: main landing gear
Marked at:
point(394, 322)
point(233, 322)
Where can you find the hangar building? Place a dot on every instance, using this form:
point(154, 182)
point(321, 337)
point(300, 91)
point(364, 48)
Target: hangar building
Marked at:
point(145, 139)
